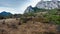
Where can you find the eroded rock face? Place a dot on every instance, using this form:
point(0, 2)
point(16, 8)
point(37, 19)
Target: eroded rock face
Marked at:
point(48, 4)
point(54, 4)
point(29, 9)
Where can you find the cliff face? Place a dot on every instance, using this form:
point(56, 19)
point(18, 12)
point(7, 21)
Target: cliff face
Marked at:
point(29, 9)
point(48, 4)
point(44, 5)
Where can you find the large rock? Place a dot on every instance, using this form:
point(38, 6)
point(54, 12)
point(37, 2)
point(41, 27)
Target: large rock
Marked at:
point(29, 9)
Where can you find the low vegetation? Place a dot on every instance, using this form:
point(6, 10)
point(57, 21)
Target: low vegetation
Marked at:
point(32, 23)
point(52, 16)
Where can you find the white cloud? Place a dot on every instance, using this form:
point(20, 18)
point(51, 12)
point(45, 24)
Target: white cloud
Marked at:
point(18, 8)
point(33, 2)
point(11, 10)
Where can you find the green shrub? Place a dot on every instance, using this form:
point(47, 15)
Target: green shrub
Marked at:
point(52, 18)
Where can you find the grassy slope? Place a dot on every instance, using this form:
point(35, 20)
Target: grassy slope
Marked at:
point(11, 27)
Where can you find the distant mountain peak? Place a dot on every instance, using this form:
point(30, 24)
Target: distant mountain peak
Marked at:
point(53, 4)
point(4, 13)
point(30, 6)
point(29, 9)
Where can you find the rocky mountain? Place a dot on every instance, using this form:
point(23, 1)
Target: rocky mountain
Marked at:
point(48, 4)
point(53, 4)
point(5, 14)
point(29, 9)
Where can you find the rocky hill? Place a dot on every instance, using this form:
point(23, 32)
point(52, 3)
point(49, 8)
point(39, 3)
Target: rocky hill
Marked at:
point(48, 4)
point(5, 14)
point(29, 9)
point(53, 4)
point(39, 20)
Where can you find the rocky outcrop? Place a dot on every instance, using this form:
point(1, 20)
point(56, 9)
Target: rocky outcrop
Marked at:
point(48, 4)
point(54, 4)
point(29, 9)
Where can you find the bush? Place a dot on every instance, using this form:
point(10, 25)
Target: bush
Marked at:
point(52, 17)
point(3, 31)
point(13, 26)
point(25, 19)
point(49, 33)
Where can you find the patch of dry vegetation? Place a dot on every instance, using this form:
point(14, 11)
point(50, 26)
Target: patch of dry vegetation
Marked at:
point(13, 26)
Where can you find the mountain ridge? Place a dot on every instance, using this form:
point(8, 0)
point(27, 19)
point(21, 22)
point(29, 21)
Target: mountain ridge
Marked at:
point(54, 4)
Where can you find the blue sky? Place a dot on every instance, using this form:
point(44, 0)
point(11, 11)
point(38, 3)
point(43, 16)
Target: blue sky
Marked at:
point(16, 6)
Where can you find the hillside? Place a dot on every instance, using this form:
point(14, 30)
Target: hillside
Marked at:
point(35, 20)
point(9, 27)
point(43, 6)
point(48, 4)
point(33, 23)
point(6, 15)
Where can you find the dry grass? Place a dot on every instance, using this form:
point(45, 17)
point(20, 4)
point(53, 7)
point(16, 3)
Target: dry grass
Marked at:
point(10, 26)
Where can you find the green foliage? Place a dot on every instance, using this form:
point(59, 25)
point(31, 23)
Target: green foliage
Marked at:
point(38, 10)
point(29, 14)
point(23, 19)
point(53, 11)
point(52, 16)
point(4, 17)
point(17, 15)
